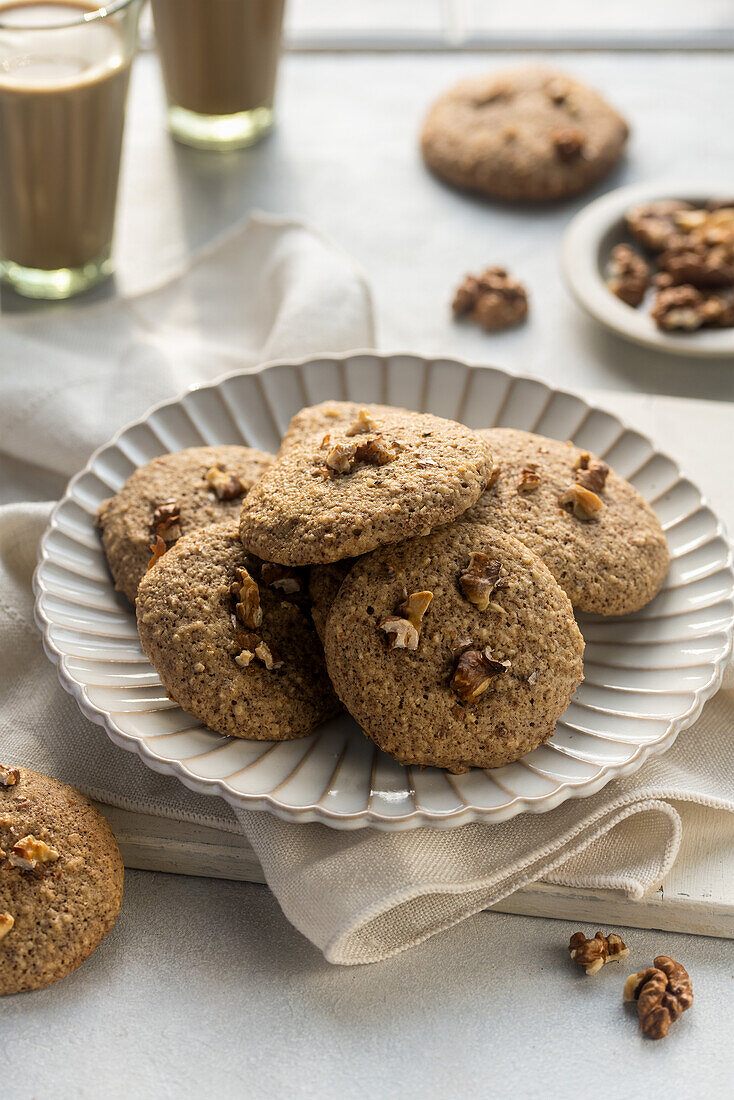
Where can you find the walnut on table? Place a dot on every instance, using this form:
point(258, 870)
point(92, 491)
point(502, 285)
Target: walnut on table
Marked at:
point(494, 299)
point(594, 953)
point(663, 993)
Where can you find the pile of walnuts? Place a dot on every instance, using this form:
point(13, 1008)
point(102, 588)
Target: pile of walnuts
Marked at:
point(691, 268)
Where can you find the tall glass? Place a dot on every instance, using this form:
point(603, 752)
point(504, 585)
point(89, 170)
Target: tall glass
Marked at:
point(64, 70)
point(220, 60)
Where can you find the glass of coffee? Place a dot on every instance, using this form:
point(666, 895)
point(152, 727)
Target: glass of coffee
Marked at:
point(220, 59)
point(64, 69)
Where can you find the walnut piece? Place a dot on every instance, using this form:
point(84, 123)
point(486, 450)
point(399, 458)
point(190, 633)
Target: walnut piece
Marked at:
point(678, 307)
point(226, 486)
point(698, 262)
point(401, 634)
point(591, 472)
point(377, 451)
point(7, 920)
point(593, 954)
point(529, 479)
point(340, 458)
point(474, 672)
point(663, 992)
point(583, 503)
point(480, 579)
point(267, 654)
point(494, 299)
point(627, 275)
point(8, 776)
point(166, 520)
point(569, 142)
point(158, 549)
point(29, 852)
point(251, 647)
point(247, 599)
point(363, 424)
point(653, 223)
point(403, 629)
point(281, 577)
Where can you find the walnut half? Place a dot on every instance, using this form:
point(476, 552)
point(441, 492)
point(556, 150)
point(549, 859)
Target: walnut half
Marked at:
point(479, 580)
point(591, 472)
point(593, 954)
point(474, 672)
point(663, 992)
point(7, 920)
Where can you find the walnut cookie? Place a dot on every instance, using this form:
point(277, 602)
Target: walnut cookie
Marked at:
point(231, 640)
point(600, 539)
point(348, 479)
point(528, 134)
point(61, 878)
point(170, 496)
point(456, 649)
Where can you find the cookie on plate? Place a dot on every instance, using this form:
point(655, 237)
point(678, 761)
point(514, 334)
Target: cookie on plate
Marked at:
point(457, 649)
point(529, 134)
point(232, 640)
point(348, 479)
point(170, 496)
point(600, 539)
point(60, 879)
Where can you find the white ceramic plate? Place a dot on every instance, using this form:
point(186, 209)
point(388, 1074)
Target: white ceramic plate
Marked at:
point(592, 235)
point(647, 675)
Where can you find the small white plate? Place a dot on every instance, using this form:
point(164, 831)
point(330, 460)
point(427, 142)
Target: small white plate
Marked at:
point(592, 235)
point(647, 675)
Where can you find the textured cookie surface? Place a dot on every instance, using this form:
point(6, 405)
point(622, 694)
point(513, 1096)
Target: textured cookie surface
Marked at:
point(190, 631)
point(612, 564)
point(347, 480)
point(408, 701)
point(127, 520)
point(324, 583)
point(61, 879)
point(527, 134)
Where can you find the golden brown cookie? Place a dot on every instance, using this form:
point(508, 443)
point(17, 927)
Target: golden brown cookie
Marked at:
point(603, 542)
point(457, 649)
point(348, 479)
point(529, 134)
point(170, 496)
point(60, 879)
point(232, 640)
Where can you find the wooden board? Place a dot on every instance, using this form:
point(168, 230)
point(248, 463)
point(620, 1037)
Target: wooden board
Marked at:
point(697, 896)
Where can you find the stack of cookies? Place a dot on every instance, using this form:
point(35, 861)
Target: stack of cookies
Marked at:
point(419, 574)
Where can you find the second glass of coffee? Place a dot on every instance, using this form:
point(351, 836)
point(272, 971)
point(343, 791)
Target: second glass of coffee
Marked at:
point(220, 60)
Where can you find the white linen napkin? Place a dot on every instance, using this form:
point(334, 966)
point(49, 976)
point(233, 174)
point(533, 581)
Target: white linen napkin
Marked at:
point(71, 379)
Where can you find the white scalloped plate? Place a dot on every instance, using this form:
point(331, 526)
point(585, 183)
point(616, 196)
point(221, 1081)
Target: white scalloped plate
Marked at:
point(647, 675)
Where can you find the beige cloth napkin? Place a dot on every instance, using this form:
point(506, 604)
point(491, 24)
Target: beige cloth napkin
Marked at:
point(71, 379)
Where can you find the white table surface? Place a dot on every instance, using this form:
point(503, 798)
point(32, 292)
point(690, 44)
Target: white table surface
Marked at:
point(203, 989)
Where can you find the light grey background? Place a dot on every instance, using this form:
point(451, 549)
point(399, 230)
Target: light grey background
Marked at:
point(203, 989)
